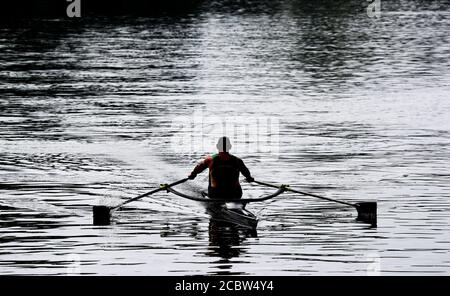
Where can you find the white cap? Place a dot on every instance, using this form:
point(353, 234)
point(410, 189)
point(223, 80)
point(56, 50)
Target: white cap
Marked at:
point(223, 144)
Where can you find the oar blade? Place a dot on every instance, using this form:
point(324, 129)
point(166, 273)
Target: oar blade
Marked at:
point(101, 215)
point(367, 212)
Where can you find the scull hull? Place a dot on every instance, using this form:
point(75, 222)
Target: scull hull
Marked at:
point(233, 213)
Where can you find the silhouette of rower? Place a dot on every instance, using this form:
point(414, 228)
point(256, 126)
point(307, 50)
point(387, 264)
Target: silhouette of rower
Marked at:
point(224, 170)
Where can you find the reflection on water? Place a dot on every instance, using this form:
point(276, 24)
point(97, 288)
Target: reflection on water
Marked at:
point(225, 239)
point(86, 112)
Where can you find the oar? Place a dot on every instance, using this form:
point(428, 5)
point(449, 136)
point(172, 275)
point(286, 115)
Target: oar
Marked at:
point(367, 211)
point(102, 214)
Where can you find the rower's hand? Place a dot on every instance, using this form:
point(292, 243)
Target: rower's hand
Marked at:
point(250, 179)
point(192, 177)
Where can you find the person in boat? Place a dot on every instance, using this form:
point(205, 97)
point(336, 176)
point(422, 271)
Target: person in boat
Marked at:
point(224, 169)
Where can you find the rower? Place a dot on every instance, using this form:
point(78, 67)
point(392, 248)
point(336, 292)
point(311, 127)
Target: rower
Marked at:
point(224, 170)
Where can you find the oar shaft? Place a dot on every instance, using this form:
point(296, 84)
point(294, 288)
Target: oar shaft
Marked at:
point(308, 194)
point(322, 197)
point(149, 193)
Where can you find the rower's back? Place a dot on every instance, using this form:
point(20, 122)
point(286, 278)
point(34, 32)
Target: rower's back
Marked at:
point(224, 169)
point(224, 176)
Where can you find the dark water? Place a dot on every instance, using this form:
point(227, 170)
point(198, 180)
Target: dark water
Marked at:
point(362, 106)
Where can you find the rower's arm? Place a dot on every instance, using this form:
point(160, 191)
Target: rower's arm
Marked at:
point(201, 166)
point(244, 170)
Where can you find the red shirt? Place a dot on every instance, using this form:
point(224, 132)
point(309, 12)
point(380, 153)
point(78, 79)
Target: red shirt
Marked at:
point(224, 170)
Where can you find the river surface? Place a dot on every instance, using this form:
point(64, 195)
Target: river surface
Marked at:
point(348, 107)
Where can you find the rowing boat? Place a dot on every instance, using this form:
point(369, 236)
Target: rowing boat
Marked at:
point(229, 210)
point(233, 213)
point(233, 210)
